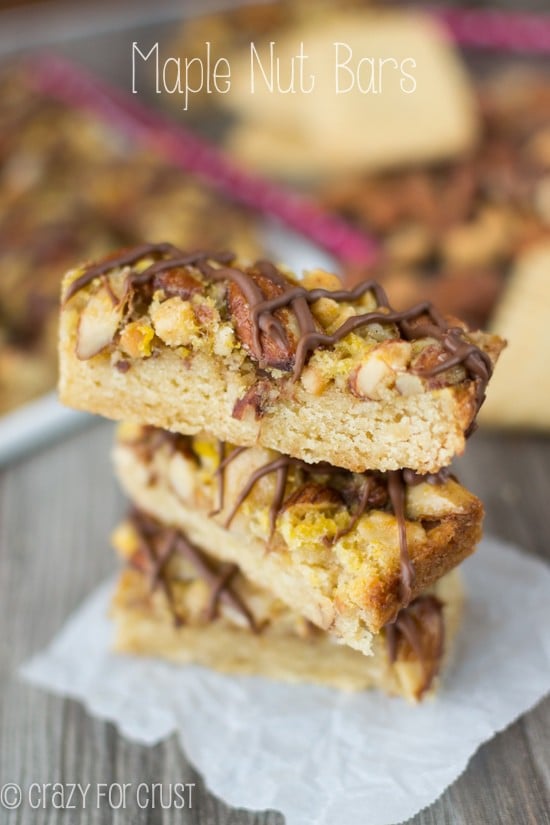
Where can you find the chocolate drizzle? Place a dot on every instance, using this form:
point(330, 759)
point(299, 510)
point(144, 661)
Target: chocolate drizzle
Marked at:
point(420, 321)
point(421, 627)
point(158, 544)
point(476, 362)
point(396, 490)
point(395, 482)
point(127, 257)
point(224, 461)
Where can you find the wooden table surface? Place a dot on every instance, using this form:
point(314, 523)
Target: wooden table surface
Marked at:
point(56, 510)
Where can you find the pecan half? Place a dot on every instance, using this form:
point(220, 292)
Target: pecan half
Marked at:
point(279, 331)
point(98, 323)
point(255, 398)
point(427, 360)
point(177, 283)
point(313, 495)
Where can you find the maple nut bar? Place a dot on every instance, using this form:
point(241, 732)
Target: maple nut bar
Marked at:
point(200, 342)
point(176, 602)
point(347, 551)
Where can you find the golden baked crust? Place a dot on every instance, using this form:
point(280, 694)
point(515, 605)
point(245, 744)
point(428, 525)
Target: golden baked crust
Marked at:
point(199, 342)
point(173, 620)
point(351, 584)
point(520, 396)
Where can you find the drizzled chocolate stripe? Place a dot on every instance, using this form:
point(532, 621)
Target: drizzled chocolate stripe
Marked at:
point(219, 582)
point(132, 256)
point(396, 482)
point(413, 624)
point(476, 362)
point(459, 351)
point(362, 505)
point(159, 544)
point(156, 557)
point(396, 491)
point(124, 258)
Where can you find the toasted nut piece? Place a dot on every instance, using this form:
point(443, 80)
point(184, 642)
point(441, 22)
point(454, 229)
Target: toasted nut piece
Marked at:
point(177, 282)
point(174, 321)
point(480, 242)
point(319, 279)
point(410, 244)
point(206, 314)
point(224, 342)
point(370, 378)
point(408, 384)
point(274, 352)
point(253, 402)
point(432, 356)
point(98, 324)
point(136, 338)
point(118, 283)
point(379, 371)
point(397, 354)
point(313, 381)
point(314, 496)
point(429, 356)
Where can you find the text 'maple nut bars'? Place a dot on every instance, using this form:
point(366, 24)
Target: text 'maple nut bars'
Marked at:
point(295, 436)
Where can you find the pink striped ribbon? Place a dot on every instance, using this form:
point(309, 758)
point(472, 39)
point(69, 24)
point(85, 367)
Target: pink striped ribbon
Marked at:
point(507, 31)
point(67, 82)
point(479, 28)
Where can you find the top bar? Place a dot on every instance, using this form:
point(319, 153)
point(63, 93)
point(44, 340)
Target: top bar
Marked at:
point(199, 341)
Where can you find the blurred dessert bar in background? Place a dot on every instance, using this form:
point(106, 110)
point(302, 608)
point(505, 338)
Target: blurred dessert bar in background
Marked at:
point(452, 232)
point(459, 224)
point(306, 105)
point(474, 237)
point(72, 188)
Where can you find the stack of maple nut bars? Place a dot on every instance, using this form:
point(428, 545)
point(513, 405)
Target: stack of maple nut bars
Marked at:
point(285, 447)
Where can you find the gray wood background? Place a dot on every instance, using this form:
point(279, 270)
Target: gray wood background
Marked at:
point(56, 510)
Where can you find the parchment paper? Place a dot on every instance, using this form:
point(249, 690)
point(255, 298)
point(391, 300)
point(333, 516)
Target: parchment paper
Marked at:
point(315, 754)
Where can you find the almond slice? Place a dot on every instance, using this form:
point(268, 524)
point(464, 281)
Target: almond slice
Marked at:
point(98, 324)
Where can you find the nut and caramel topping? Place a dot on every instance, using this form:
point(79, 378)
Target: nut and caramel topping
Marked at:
point(207, 299)
point(302, 485)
